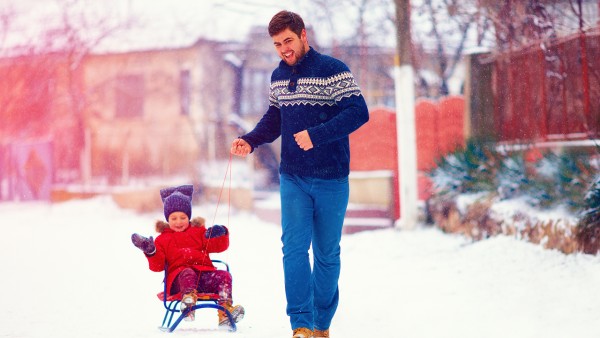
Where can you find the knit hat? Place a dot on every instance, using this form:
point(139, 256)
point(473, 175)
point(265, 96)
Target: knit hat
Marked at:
point(177, 199)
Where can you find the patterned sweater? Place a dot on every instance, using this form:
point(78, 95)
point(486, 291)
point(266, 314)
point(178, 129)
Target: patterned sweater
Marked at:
point(318, 94)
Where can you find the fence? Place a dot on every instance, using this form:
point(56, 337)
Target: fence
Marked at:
point(439, 130)
point(548, 92)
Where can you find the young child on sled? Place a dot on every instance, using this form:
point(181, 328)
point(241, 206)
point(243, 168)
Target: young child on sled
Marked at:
point(183, 248)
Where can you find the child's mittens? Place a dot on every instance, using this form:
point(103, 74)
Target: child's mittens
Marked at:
point(144, 244)
point(215, 231)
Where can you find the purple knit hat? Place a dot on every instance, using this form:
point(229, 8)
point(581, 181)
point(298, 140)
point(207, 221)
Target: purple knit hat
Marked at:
point(177, 199)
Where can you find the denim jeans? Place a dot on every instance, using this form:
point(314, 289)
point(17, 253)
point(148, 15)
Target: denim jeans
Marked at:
point(312, 210)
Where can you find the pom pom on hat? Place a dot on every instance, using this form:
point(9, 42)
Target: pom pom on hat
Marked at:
point(177, 199)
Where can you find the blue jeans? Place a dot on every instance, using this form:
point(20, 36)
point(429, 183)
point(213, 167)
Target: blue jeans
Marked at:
point(312, 210)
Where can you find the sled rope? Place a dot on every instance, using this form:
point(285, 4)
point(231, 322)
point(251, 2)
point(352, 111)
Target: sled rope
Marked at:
point(227, 172)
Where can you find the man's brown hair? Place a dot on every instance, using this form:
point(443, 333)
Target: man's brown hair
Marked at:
point(286, 19)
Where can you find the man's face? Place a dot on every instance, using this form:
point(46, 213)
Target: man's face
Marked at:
point(290, 47)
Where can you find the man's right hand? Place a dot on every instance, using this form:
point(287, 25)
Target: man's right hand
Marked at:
point(239, 147)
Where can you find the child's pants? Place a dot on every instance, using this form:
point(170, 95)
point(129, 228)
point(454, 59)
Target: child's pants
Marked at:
point(216, 281)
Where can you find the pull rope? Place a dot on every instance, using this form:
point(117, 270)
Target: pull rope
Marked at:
point(227, 172)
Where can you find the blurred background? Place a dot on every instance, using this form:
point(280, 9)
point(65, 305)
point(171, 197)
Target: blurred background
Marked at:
point(127, 96)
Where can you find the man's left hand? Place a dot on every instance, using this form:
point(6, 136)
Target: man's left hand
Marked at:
point(303, 140)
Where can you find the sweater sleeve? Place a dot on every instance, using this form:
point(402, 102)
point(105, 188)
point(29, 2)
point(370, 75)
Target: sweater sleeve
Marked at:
point(353, 113)
point(267, 130)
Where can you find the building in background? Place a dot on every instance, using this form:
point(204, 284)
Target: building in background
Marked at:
point(116, 116)
point(157, 112)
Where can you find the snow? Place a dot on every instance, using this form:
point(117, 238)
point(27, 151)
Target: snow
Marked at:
point(507, 209)
point(70, 270)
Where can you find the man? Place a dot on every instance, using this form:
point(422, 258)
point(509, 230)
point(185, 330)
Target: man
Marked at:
point(314, 104)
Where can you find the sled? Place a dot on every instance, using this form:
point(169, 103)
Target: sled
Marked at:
point(205, 301)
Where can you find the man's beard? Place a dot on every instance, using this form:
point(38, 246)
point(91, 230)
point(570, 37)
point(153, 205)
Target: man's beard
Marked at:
point(299, 56)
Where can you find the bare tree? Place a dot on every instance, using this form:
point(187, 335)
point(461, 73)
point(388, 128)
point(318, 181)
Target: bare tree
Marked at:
point(362, 35)
point(443, 29)
point(41, 86)
point(520, 23)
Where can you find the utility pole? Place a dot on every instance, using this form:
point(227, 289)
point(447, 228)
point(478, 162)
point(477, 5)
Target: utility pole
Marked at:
point(405, 119)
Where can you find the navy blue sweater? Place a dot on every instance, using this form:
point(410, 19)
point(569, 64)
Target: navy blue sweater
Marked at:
point(318, 94)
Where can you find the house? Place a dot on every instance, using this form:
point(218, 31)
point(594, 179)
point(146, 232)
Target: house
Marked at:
point(113, 116)
point(157, 112)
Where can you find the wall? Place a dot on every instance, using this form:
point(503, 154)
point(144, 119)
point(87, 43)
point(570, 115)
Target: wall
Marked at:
point(173, 132)
point(440, 130)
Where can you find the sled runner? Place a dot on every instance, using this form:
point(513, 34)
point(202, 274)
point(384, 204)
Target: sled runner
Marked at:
point(205, 300)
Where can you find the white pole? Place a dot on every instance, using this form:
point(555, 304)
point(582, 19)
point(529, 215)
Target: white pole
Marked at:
point(407, 146)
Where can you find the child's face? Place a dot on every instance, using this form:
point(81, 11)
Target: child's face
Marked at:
point(178, 221)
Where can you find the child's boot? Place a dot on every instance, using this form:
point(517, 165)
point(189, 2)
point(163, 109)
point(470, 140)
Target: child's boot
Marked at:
point(188, 300)
point(237, 313)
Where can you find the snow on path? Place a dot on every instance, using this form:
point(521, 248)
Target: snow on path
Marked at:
point(69, 270)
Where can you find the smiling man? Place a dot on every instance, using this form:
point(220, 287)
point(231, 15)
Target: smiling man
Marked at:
point(314, 104)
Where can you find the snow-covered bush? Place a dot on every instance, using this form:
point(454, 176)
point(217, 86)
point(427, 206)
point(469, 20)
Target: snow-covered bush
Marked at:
point(541, 190)
point(554, 181)
point(575, 178)
point(588, 228)
point(551, 181)
point(512, 176)
point(472, 169)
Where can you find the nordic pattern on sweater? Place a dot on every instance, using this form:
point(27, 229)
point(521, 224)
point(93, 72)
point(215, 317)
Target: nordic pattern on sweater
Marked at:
point(314, 91)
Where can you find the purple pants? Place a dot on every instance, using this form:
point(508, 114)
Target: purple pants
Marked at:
point(216, 281)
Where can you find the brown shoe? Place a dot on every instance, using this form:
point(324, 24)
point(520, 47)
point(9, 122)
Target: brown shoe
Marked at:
point(302, 332)
point(321, 333)
point(237, 312)
point(188, 300)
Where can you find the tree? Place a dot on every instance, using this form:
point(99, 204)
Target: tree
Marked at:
point(520, 23)
point(450, 25)
point(41, 70)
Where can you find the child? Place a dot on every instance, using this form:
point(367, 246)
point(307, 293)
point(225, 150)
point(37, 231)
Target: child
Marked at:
point(183, 248)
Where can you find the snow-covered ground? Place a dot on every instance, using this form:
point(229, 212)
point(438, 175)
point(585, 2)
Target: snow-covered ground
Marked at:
point(70, 270)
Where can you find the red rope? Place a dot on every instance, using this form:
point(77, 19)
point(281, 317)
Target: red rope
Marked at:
point(227, 172)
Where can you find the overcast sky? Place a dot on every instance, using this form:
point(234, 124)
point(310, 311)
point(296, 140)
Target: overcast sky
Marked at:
point(221, 19)
point(158, 23)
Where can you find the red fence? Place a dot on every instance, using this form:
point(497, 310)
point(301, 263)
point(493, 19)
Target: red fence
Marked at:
point(549, 91)
point(439, 130)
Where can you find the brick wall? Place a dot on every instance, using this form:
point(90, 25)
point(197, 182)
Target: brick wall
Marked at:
point(440, 130)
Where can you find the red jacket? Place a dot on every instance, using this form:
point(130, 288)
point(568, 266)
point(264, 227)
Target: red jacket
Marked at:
point(189, 248)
